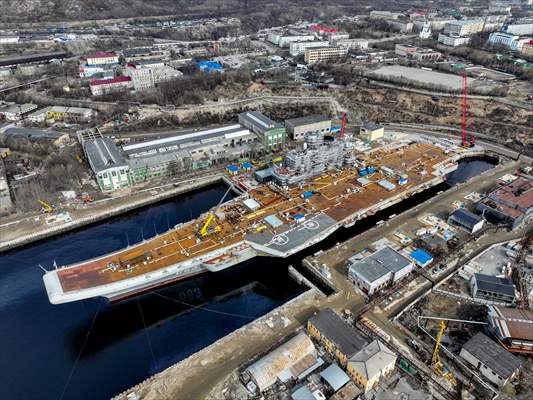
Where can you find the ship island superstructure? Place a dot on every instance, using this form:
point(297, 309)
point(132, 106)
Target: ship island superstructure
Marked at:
point(318, 189)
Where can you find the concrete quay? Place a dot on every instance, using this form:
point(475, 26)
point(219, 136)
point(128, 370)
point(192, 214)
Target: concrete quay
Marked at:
point(201, 374)
point(34, 228)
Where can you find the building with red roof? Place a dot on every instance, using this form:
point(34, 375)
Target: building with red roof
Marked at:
point(102, 58)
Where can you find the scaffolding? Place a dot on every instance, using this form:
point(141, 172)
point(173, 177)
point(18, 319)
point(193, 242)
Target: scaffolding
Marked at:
point(316, 157)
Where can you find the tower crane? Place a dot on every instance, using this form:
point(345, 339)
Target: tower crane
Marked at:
point(344, 121)
point(464, 110)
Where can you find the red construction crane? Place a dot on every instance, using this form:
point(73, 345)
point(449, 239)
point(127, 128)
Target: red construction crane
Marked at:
point(464, 140)
point(344, 121)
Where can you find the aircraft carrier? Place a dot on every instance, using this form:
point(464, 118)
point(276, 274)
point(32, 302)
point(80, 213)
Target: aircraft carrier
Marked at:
point(317, 190)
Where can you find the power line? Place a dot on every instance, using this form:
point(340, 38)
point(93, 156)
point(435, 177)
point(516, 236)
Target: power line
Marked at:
point(81, 351)
point(146, 331)
point(203, 308)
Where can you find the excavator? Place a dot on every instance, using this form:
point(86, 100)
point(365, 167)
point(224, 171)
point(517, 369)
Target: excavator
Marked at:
point(436, 363)
point(206, 229)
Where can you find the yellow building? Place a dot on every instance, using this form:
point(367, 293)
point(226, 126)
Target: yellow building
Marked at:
point(56, 112)
point(370, 132)
point(370, 364)
point(338, 338)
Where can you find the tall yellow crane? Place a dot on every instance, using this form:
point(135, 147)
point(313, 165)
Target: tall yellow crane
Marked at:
point(205, 230)
point(46, 207)
point(436, 363)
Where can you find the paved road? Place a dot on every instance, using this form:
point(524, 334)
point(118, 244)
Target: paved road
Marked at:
point(433, 130)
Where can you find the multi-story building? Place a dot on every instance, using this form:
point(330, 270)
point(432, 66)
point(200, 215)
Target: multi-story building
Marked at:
point(466, 220)
point(520, 27)
point(376, 14)
point(527, 49)
point(352, 44)
point(142, 53)
point(298, 127)
point(334, 36)
point(513, 42)
point(464, 27)
point(104, 86)
point(339, 339)
point(401, 26)
point(38, 116)
point(371, 364)
point(285, 40)
point(102, 58)
point(271, 134)
point(453, 40)
point(146, 77)
point(426, 55)
point(298, 48)
point(108, 164)
point(86, 71)
point(324, 54)
point(499, 8)
point(404, 50)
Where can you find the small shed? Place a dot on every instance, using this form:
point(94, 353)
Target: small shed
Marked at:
point(232, 169)
point(252, 204)
point(273, 221)
point(421, 257)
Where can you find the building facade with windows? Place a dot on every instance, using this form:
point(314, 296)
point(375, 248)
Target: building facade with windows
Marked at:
point(298, 127)
point(271, 134)
point(324, 54)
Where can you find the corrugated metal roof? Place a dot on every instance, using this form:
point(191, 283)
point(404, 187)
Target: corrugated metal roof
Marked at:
point(103, 153)
point(494, 284)
point(335, 377)
point(266, 370)
point(378, 264)
point(308, 119)
point(465, 217)
point(512, 323)
point(386, 184)
point(492, 355)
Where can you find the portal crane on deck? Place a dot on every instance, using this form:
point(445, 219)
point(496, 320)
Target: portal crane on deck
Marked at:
point(47, 208)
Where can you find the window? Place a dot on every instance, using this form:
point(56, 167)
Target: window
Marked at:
point(114, 173)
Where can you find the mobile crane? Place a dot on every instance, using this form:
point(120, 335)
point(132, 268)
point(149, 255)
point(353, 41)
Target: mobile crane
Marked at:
point(205, 230)
point(436, 363)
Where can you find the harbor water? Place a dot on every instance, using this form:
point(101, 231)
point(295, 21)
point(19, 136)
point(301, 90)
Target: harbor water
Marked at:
point(94, 350)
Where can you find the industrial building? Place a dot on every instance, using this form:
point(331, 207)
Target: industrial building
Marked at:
point(316, 157)
point(492, 288)
point(378, 270)
point(513, 327)
point(108, 164)
point(466, 220)
point(271, 134)
point(370, 132)
point(510, 203)
point(335, 377)
point(298, 127)
point(520, 27)
point(32, 134)
point(370, 364)
point(340, 339)
point(324, 54)
point(490, 359)
point(298, 48)
point(187, 151)
point(289, 361)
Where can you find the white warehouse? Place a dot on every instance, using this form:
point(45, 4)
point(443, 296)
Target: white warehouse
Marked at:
point(378, 270)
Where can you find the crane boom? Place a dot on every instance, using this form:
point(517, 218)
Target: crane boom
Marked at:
point(438, 367)
point(204, 230)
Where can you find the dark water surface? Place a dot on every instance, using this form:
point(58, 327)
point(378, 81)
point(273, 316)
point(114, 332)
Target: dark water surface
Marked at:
point(40, 343)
